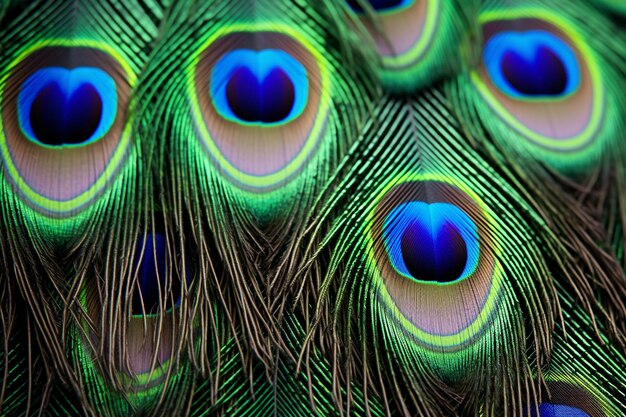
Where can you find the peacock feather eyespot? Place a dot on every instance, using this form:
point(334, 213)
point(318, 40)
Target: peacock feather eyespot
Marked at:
point(64, 132)
point(403, 31)
point(155, 297)
point(67, 107)
point(532, 64)
point(435, 259)
point(435, 242)
point(151, 330)
point(260, 102)
point(259, 87)
point(541, 79)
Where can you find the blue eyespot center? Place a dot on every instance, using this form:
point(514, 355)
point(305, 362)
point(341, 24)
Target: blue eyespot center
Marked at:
point(433, 255)
point(558, 410)
point(59, 106)
point(378, 5)
point(545, 75)
point(57, 119)
point(264, 87)
point(267, 101)
point(152, 278)
point(431, 242)
point(532, 64)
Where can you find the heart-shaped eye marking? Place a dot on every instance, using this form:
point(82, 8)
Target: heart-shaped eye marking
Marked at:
point(259, 87)
point(431, 242)
point(532, 64)
point(59, 106)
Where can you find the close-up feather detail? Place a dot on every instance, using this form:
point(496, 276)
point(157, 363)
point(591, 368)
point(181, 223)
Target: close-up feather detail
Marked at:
point(421, 331)
point(582, 377)
point(419, 41)
point(54, 117)
point(293, 208)
point(546, 79)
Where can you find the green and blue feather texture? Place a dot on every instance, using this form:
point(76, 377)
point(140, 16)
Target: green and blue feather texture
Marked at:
point(294, 208)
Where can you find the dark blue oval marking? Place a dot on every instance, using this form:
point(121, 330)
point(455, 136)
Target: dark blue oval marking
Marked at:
point(263, 87)
point(59, 106)
point(431, 242)
point(532, 64)
point(267, 101)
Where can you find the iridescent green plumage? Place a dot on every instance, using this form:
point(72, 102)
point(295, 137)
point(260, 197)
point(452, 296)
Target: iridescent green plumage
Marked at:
point(526, 257)
point(312, 208)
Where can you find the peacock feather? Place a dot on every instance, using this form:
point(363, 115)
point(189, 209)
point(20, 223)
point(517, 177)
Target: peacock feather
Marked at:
point(312, 208)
